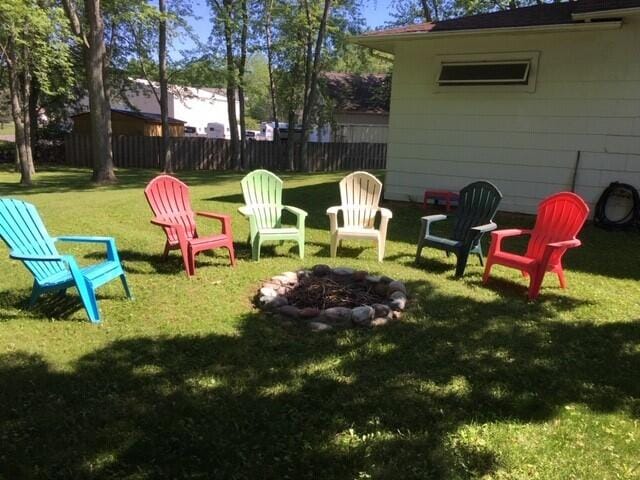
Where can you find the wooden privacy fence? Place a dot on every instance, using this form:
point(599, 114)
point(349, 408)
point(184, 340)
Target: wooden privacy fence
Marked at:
point(195, 153)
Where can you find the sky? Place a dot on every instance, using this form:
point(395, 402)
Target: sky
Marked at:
point(375, 12)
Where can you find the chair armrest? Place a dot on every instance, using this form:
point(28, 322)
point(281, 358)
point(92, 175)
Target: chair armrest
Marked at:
point(32, 257)
point(217, 216)
point(246, 211)
point(511, 232)
point(83, 239)
point(498, 235)
point(225, 220)
point(299, 213)
point(434, 218)
point(385, 212)
point(485, 228)
point(110, 242)
point(295, 210)
point(334, 210)
point(565, 244)
point(166, 223)
point(427, 221)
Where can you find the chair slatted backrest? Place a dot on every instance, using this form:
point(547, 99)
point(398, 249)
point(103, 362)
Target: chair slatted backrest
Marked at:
point(477, 206)
point(169, 199)
point(262, 191)
point(360, 196)
point(560, 217)
point(24, 233)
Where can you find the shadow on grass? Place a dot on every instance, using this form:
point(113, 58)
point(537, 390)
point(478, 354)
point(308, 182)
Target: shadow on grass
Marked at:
point(56, 305)
point(279, 402)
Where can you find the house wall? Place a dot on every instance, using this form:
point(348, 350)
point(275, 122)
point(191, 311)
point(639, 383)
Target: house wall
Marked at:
point(587, 99)
point(194, 106)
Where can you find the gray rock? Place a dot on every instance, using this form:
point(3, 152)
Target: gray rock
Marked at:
point(381, 289)
point(289, 311)
point(281, 279)
point(381, 310)
point(273, 302)
point(338, 316)
point(398, 301)
point(397, 286)
point(268, 292)
point(321, 270)
point(319, 327)
point(362, 315)
point(385, 279)
point(360, 275)
point(292, 276)
point(343, 271)
point(379, 322)
point(372, 278)
point(309, 312)
point(303, 274)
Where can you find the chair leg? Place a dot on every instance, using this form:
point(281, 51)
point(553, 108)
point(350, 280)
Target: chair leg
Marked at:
point(334, 245)
point(301, 247)
point(535, 284)
point(167, 248)
point(423, 232)
point(88, 296)
point(561, 278)
point(192, 263)
point(35, 294)
point(481, 258)
point(125, 285)
point(232, 254)
point(487, 271)
point(255, 248)
point(382, 243)
point(461, 263)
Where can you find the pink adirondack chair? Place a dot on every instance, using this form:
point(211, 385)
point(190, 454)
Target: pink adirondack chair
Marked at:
point(169, 199)
point(560, 218)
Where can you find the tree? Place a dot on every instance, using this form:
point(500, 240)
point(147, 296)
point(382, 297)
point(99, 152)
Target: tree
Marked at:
point(230, 24)
point(32, 44)
point(88, 27)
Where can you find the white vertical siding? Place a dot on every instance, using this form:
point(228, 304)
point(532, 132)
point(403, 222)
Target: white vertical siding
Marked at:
point(587, 99)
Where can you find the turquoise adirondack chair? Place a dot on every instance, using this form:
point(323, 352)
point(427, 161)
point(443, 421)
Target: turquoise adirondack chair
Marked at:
point(26, 236)
point(262, 191)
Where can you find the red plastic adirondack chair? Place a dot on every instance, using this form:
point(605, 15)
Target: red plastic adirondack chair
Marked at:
point(560, 218)
point(169, 199)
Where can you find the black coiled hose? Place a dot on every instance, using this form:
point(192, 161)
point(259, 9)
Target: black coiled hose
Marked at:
point(630, 220)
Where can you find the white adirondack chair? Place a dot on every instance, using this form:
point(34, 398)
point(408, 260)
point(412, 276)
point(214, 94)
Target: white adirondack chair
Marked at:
point(360, 196)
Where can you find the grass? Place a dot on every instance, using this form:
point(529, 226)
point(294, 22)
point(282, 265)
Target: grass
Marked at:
point(6, 128)
point(189, 381)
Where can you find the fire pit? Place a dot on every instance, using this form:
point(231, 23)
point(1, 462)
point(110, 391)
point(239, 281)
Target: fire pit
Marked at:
point(328, 298)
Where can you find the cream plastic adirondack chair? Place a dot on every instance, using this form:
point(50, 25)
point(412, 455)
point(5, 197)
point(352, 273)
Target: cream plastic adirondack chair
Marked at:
point(360, 196)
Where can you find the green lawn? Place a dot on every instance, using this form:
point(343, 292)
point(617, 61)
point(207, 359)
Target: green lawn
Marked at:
point(6, 129)
point(189, 381)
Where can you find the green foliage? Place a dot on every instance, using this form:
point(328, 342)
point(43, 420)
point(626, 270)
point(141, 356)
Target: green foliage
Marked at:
point(190, 381)
point(36, 32)
point(257, 90)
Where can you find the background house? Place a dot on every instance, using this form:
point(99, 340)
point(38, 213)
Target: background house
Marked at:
point(198, 107)
point(360, 106)
point(124, 122)
point(516, 97)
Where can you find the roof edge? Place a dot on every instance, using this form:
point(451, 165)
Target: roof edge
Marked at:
point(619, 12)
point(368, 40)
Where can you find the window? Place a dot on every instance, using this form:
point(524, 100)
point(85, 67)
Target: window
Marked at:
point(485, 73)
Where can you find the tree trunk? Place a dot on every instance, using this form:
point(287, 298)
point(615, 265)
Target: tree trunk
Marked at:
point(34, 94)
point(241, 69)
point(164, 88)
point(232, 85)
point(18, 110)
point(272, 83)
point(310, 99)
point(291, 141)
point(99, 105)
